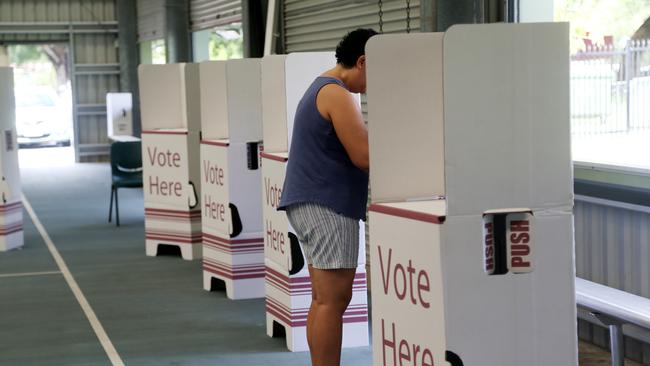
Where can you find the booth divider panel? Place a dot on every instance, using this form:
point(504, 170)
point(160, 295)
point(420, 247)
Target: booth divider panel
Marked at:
point(214, 100)
point(405, 116)
point(507, 117)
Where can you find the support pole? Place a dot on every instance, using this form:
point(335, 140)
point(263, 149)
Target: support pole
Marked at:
point(128, 54)
point(450, 12)
point(427, 15)
point(254, 14)
point(177, 33)
point(269, 35)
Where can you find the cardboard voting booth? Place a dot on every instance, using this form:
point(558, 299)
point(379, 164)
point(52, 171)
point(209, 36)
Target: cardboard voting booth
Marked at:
point(169, 99)
point(119, 114)
point(285, 78)
point(472, 247)
point(11, 206)
point(231, 183)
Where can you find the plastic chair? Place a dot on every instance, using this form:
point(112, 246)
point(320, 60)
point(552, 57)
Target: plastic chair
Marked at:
point(126, 171)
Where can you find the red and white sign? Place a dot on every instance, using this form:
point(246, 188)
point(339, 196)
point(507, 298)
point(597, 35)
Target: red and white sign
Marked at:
point(166, 179)
point(215, 186)
point(407, 289)
point(277, 247)
point(519, 239)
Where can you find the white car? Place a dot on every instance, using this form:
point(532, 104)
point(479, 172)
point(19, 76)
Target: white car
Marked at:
point(39, 119)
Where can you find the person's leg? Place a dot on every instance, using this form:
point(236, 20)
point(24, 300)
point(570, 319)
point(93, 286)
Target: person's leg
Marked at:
point(333, 289)
point(312, 312)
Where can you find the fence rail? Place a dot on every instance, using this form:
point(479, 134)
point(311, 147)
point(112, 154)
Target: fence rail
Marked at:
point(610, 89)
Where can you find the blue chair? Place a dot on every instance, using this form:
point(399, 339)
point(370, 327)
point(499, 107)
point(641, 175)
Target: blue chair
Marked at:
point(126, 171)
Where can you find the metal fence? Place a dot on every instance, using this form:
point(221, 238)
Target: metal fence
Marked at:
point(610, 89)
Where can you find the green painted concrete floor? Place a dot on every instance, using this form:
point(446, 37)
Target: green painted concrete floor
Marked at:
point(154, 310)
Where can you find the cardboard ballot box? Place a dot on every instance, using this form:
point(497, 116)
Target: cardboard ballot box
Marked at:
point(472, 247)
point(169, 99)
point(285, 78)
point(231, 119)
point(119, 114)
point(11, 206)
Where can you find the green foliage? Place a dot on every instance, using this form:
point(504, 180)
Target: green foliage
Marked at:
point(597, 18)
point(25, 53)
point(225, 45)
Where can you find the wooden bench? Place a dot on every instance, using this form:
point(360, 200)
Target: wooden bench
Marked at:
point(613, 308)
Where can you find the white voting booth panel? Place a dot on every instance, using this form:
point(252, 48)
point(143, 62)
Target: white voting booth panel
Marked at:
point(231, 118)
point(472, 252)
point(285, 78)
point(11, 207)
point(170, 106)
point(119, 114)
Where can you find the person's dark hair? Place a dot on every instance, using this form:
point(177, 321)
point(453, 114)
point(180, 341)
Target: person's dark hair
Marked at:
point(353, 46)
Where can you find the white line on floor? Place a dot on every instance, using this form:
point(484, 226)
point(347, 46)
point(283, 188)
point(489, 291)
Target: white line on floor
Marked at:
point(25, 274)
point(85, 306)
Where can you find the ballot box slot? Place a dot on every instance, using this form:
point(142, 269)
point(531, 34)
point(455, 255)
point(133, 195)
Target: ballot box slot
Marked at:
point(500, 250)
point(253, 155)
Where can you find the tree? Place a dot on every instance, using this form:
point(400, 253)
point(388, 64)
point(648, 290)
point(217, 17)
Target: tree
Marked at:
point(597, 18)
point(56, 54)
point(24, 53)
point(226, 44)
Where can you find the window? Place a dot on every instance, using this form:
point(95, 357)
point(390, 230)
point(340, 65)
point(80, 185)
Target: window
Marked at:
point(153, 52)
point(610, 83)
point(220, 43)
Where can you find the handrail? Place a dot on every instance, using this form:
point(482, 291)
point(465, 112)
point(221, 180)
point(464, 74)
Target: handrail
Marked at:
point(618, 304)
point(613, 308)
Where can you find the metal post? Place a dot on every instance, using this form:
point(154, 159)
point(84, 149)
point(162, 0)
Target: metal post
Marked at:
point(450, 12)
point(73, 83)
point(269, 34)
point(253, 19)
point(616, 344)
point(177, 33)
point(427, 16)
point(128, 51)
point(628, 77)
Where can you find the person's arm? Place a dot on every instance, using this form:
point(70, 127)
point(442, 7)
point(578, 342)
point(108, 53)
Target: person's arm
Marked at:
point(339, 106)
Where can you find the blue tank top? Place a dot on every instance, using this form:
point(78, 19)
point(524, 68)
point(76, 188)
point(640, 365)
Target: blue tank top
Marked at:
point(319, 169)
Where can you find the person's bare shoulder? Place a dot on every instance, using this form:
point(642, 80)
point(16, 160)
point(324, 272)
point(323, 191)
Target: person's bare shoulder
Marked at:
point(334, 96)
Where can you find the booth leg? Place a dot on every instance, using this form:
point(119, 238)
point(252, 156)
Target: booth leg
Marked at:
point(151, 248)
point(269, 325)
point(207, 281)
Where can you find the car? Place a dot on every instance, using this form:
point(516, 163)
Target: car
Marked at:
point(40, 120)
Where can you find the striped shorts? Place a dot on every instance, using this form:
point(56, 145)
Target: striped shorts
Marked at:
point(329, 240)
